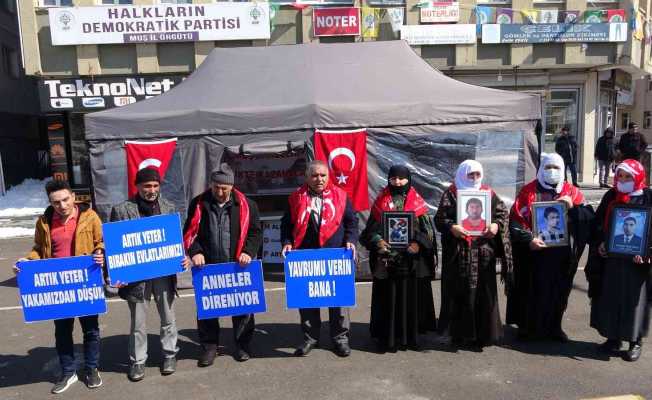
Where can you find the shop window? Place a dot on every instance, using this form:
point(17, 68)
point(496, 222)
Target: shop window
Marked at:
point(55, 3)
point(625, 119)
point(10, 63)
point(647, 119)
point(8, 6)
point(561, 110)
point(79, 157)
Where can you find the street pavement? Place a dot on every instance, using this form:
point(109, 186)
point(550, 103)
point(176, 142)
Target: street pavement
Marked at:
point(513, 370)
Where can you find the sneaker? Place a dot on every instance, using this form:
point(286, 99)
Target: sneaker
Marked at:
point(64, 383)
point(136, 372)
point(93, 379)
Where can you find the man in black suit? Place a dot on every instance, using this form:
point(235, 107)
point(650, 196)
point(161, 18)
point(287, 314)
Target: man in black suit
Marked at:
point(628, 240)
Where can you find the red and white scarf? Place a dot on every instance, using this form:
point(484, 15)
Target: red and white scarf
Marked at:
point(190, 234)
point(413, 202)
point(332, 210)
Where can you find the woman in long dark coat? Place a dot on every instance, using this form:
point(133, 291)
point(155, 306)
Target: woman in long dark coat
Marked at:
point(470, 312)
point(402, 305)
point(619, 287)
point(544, 274)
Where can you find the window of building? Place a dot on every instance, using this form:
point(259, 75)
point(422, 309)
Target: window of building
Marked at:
point(10, 63)
point(55, 3)
point(647, 119)
point(79, 160)
point(561, 110)
point(8, 6)
point(115, 2)
point(624, 122)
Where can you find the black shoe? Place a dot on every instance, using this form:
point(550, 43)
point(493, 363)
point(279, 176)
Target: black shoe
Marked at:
point(169, 366)
point(64, 383)
point(93, 379)
point(634, 352)
point(208, 357)
point(560, 336)
point(136, 372)
point(342, 349)
point(305, 348)
point(242, 353)
point(610, 346)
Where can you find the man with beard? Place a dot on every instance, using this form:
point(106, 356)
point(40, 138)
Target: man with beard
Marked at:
point(320, 216)
point(148, 202)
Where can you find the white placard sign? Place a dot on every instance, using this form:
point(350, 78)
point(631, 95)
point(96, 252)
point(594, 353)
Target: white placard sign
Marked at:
point(439, 34)
point(159, 23)
point(271, 240)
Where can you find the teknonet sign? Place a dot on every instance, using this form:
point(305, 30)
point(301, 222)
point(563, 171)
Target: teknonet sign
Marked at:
point(339, 21)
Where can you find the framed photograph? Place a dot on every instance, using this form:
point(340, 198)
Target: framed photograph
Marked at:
point(550, 222)
point(398, 228)
point(474, 210)
point(629, 227)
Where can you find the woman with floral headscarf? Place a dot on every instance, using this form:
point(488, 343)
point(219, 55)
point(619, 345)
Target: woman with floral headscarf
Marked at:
point(618, 287)
point(469, 304)
point(402, 305)
point(544, 274)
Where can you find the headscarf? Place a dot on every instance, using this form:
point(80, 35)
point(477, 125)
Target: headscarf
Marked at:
point(399, 171)
point(550, 159)
point(636, 170)
point(462, 181)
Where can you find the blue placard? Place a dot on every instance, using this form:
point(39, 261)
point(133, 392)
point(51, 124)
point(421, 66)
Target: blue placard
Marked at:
point(320, 278)
point(229, 289)
point(57, 288)
point(144, 248)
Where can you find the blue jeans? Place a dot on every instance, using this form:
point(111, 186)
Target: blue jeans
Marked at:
point(65, 347)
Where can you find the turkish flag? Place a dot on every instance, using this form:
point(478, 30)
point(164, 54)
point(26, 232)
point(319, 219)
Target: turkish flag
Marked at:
point(345, 152)
point(141, 155)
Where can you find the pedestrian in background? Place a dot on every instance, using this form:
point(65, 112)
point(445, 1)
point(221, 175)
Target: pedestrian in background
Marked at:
point(605, 153)
point(67, 229)
point(632, 144)
point(566, 147)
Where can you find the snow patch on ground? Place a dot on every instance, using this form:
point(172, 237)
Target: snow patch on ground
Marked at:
point(25, 199)
point(13, 232)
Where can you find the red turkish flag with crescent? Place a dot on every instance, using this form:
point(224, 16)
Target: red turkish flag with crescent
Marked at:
point(345, 152)
point(141, 155)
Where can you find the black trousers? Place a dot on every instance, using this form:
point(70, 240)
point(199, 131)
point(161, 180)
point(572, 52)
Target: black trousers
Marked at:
point(338, 319)
point(209, 330)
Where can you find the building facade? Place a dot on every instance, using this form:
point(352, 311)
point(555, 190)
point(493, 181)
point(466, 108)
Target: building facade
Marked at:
point(21, 148)
point(584, 72)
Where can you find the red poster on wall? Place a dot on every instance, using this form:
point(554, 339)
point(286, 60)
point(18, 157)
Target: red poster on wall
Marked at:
point(337, 21)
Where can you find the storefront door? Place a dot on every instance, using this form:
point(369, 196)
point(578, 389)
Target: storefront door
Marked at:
point(561, 109)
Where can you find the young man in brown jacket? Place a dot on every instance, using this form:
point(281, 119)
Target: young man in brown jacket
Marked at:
point(68, 229)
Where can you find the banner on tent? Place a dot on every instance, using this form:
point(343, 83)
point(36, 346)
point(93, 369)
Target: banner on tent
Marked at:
point(320, 278)
point(57, 288)
point(144, 248)
point(159, 23)
point(229, 289)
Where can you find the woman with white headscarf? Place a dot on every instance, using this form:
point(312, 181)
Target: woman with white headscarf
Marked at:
point(544, 274)
point(620, 288)
point(469, 311)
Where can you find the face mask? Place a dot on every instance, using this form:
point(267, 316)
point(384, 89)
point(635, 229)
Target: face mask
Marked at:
point(551, 176)
point(625, 187)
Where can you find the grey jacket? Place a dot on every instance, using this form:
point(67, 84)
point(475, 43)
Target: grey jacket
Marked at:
point(128, 210)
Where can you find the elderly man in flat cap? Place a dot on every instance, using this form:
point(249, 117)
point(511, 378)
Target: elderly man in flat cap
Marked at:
point(223, 226)
point(148, 202)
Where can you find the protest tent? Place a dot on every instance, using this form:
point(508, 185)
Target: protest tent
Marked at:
point(267, 102)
